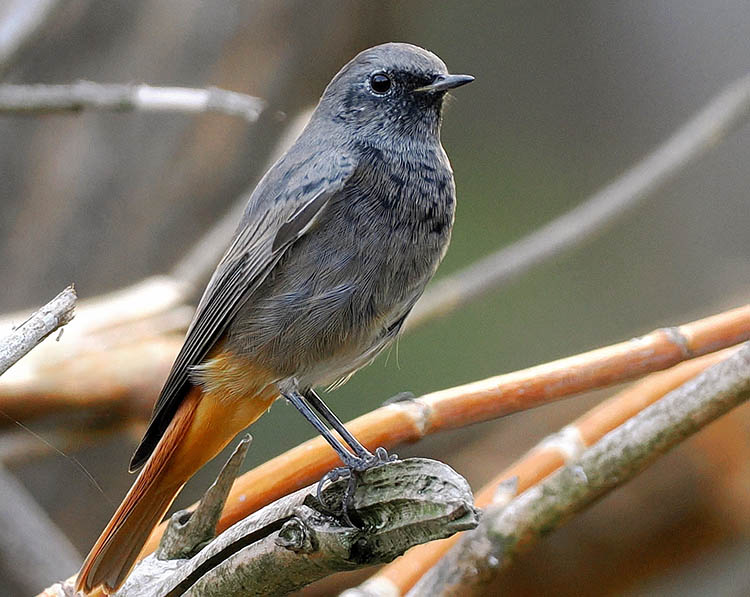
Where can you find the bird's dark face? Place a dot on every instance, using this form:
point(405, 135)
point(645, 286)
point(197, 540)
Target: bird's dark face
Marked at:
point(394, 89)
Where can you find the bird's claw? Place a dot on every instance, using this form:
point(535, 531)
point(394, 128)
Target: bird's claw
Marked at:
point(350, 471)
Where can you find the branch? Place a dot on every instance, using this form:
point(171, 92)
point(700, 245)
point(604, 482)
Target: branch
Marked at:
point(19, 26)
point(411, 420)
point(612, 461)
point(36, 328)
point(298, 539)
point(725, 112)
point(545, 458)
point(86, 95)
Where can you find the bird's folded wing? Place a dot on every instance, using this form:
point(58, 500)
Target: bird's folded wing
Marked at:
point(283, 207)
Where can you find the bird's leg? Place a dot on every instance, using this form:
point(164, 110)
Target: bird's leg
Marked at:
point(350, 460)
point(353, 464)
point(317, 403)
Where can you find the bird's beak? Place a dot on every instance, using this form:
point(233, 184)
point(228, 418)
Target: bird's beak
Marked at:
point(445, 82)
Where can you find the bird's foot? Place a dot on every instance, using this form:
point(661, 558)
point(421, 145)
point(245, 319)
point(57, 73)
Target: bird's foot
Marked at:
point(353, 467)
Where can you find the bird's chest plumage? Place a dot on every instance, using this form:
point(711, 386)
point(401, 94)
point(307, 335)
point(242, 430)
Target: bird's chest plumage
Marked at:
point(341, 292)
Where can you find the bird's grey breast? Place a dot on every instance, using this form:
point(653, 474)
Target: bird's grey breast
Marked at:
point(342, 291)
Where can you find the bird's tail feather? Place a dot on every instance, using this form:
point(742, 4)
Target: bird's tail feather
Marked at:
point(208, 418)
point(117, 548)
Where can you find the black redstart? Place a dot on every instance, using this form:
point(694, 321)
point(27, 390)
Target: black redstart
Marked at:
point(336, 244)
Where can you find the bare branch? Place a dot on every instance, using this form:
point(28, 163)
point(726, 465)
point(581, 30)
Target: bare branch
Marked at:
point(298, 539)
point(612, 461)
point(413, 419)
point(86, 95)
point(725, 112)
point(36, 328)
point(20, 23)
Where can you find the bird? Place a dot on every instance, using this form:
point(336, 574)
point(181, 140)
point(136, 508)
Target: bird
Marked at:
point(335, 246)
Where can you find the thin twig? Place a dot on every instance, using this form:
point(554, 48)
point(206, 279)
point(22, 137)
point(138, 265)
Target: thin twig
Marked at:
point(612, 461)
point(86, 95)
point(32, 549)
point(187, 532)
point(412, 420)
point(545, 458)
point(724, 113)
point(20, 24)
point(22, 446)
point(36, 328)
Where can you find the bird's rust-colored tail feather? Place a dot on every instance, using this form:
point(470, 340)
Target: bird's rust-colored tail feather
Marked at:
point(203, 425)
point(114, 553)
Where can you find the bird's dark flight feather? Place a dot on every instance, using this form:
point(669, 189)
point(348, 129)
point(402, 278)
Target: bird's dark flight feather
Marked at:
point(268, 228)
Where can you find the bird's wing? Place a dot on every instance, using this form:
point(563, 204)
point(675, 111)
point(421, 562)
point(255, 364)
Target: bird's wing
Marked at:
point(283, 207)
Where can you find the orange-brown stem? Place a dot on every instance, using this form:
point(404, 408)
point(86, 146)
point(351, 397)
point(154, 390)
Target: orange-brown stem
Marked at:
point(544, 459)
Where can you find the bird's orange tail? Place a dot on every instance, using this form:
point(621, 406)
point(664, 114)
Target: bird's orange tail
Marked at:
point(204, 424)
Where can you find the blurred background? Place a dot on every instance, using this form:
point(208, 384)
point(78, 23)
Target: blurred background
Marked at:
point(567, 96)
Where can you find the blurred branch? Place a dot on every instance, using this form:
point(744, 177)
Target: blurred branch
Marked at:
point(86, 95)
point(298, 539)
point(546, 457)
point(36, 328)
point(20, 23)
point(612, 461)
point(725, 112)
point(158, 302)
point(411, 420)
point(32, 548)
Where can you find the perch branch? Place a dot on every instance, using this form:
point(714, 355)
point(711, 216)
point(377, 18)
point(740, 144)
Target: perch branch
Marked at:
point(613, 460)
point(87, 95)
point(298, 539)
point(542, 460)
point(36, 328)
point(725, 112)
point(411, 420)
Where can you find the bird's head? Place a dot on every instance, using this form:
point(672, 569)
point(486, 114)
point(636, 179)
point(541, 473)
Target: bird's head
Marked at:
point(390, 89)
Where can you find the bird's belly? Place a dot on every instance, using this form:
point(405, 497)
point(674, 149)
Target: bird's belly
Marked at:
point(327, 326)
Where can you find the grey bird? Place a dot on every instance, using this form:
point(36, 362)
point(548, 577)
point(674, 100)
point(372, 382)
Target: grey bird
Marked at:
point(336, 245)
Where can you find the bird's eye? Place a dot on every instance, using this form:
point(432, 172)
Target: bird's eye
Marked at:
point(380, 83)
